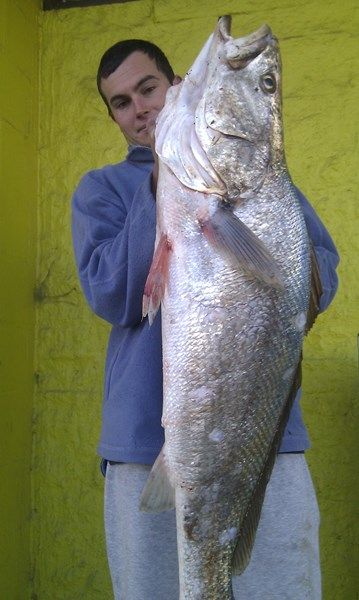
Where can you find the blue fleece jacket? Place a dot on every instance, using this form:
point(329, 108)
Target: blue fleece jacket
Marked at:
point(114, 222)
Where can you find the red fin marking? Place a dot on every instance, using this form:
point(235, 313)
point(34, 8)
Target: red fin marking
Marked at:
point(157, 279)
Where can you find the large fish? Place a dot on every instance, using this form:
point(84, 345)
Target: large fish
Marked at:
point(232, 269)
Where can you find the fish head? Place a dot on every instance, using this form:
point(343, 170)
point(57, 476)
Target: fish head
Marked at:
point(239, 122)
point(220, 130)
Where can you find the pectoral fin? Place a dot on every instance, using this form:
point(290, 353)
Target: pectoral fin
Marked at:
point(158, 493)
point(225, 231)
point(157, 279)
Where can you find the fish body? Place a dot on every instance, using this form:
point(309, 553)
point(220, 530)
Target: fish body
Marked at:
point(232, 269)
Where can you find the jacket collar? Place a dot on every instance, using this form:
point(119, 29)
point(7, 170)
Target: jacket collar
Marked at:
point(141, 154)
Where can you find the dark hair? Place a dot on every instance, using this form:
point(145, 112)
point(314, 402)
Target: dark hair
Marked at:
point(115, 56)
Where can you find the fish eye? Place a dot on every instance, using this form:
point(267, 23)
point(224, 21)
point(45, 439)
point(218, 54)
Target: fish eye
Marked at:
point(268, 83)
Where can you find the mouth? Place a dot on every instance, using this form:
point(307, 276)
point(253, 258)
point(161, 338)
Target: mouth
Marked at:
point(149, 126)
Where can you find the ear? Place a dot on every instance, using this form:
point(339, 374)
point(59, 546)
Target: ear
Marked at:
point(177, 80)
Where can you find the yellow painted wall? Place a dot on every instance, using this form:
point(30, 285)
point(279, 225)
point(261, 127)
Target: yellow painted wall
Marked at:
point(18, 202)
point(320, 104)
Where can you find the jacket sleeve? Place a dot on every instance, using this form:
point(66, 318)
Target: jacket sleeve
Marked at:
point(113, 243)
point(325, 250)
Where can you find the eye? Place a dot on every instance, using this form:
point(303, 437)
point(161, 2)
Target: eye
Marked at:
point(121, 105)
point(149, 89)
point(268, 83)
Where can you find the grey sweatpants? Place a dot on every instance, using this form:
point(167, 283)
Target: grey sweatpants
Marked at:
point(142, 551)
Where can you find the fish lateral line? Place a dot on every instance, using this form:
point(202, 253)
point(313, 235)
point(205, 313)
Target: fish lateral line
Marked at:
point(157, 279)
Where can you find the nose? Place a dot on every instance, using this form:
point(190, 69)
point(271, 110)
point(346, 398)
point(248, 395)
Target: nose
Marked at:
point(140, 106)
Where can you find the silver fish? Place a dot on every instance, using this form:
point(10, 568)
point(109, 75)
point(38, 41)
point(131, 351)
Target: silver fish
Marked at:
point(232, 270)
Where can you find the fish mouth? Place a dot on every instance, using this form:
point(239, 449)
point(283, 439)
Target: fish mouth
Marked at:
point(239, 52)
point(224, 28)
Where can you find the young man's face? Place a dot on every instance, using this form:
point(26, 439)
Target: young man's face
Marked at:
point(136, 93)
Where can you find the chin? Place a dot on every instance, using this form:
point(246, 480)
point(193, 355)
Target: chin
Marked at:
point(138, 140)
point(144, 142)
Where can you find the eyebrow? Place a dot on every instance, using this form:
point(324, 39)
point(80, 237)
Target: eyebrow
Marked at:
point(136, 88)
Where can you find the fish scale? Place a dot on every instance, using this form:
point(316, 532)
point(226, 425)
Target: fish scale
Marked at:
point(235, 287)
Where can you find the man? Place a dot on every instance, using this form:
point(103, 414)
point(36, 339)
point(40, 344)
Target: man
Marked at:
point(114, 231)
